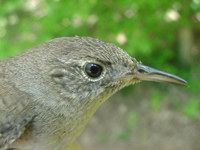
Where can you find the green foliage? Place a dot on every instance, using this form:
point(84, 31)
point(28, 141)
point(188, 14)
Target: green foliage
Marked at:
point(156, 100)
point(142, 22)
point(192, 109)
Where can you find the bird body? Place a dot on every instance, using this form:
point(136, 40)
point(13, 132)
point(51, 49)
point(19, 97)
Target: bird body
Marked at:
point(49, 93)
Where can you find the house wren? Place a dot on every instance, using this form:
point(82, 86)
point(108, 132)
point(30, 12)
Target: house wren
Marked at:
point(49, 93)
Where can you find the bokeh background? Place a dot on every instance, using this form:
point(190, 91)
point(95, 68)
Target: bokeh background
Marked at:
point(164, 34)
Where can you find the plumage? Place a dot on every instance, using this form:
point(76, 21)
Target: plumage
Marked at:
point(47, 97)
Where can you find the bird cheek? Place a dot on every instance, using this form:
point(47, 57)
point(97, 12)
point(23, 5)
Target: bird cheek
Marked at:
point(104, 83)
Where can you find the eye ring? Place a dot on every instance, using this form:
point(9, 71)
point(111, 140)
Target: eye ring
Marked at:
point(93, 70)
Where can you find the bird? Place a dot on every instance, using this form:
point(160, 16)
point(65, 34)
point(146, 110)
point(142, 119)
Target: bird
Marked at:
point(49, 93)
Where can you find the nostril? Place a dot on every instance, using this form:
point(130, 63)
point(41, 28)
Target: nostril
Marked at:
point(141, 70)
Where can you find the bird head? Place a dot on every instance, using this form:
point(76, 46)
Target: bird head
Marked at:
point(90, 70)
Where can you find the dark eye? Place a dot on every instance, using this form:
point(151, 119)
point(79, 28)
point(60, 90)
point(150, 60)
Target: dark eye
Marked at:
point(93, 70)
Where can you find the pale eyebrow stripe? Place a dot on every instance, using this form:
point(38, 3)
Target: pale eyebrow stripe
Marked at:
point(101, 61)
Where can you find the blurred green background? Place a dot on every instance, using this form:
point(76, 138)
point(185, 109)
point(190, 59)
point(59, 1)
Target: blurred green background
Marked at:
point(164, 34)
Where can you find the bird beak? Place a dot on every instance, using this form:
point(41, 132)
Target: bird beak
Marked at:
point(145, 73)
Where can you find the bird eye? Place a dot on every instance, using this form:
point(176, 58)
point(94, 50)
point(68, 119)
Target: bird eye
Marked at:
point(93, 70)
